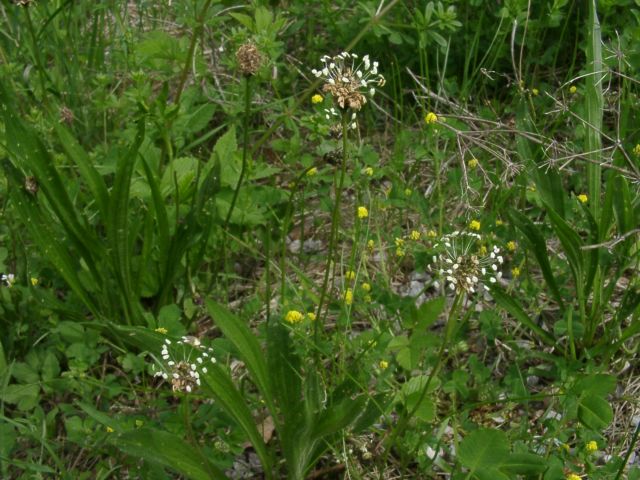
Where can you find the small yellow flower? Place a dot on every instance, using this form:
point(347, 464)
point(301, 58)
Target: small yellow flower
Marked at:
point(511, 246)
point(483, 250)
point(162, 330)
point(363, 212)
point(293, 316)
point(535, 92)
point(432, 234)
point(499, 223)
point(583, 198)
point(350, 275)
point(311, 316)
point(474, 225)
point(367, 298)
point(636, 150)
point(573, 476)
point(400, 252)
point(366, 287)
point(34, 281)
point(371, 244)
point(414, 235)
point(368, 171)
point(110, 430)
point(312, 171)
point(399, 242)
point(430, 118)
point(473, 163)
point(591, 446)
point(515, 271)
point(407, 192)
point(572, 89)
point(316, 99)
point(383, 364)
point(348, 296)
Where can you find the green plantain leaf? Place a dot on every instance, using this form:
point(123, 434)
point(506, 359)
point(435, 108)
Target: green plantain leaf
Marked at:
point(511, 305)
point(524, 464)
point(167, 449)
point(220, 386)
point(237, 332)
point(534, 239)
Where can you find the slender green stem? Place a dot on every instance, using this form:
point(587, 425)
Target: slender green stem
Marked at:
point(449, 329)
point(36, 54)
point(245, 147)
point(629, 451)
point(335, 220)
point(192, 47)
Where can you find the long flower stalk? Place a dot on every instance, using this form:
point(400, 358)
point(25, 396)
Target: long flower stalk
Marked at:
point(335, 220)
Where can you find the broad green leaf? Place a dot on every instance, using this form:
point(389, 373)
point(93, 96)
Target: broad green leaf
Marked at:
point(77, 154)
point(596, 384)
point(166, 449)
point(339, 416)
point(48, 241)
point(160, 211)
point(118, 225)
point(429, 312)
point(484, 448)
point(511, 305)
point(491, 474)
point(524, 464)
point(533, 238)
point(237, 332)
point(220, 386)
point(571, 244)
point(284, 371)
point(595, 412)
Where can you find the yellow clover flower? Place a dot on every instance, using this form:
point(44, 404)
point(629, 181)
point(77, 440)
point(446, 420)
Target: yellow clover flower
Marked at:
point(363, 212)
point(573, 476)
point(430, 118)
point(583, 198)
point(34, 281)
point(591, 446)
point(573, 89)
point(432, 234)
point(636, 150)
point(311, 316)
point(474, 225)
point(312, 172)
point(414, 235)
point(293, 316)
point(371, 244)
point(368, 171)
point(366, 287)
point(162, 330)
point(316, 99)
point(348, 296)
point(535, 92)
point(511, 246)
point(515, 271)
point(473, 163)
point(350, 275)
point(383, 364)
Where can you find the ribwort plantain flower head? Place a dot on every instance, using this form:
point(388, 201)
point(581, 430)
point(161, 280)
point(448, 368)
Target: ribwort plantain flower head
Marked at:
point(249, 59)
point(349, 79)
point(183, 362)
point(459, 260)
